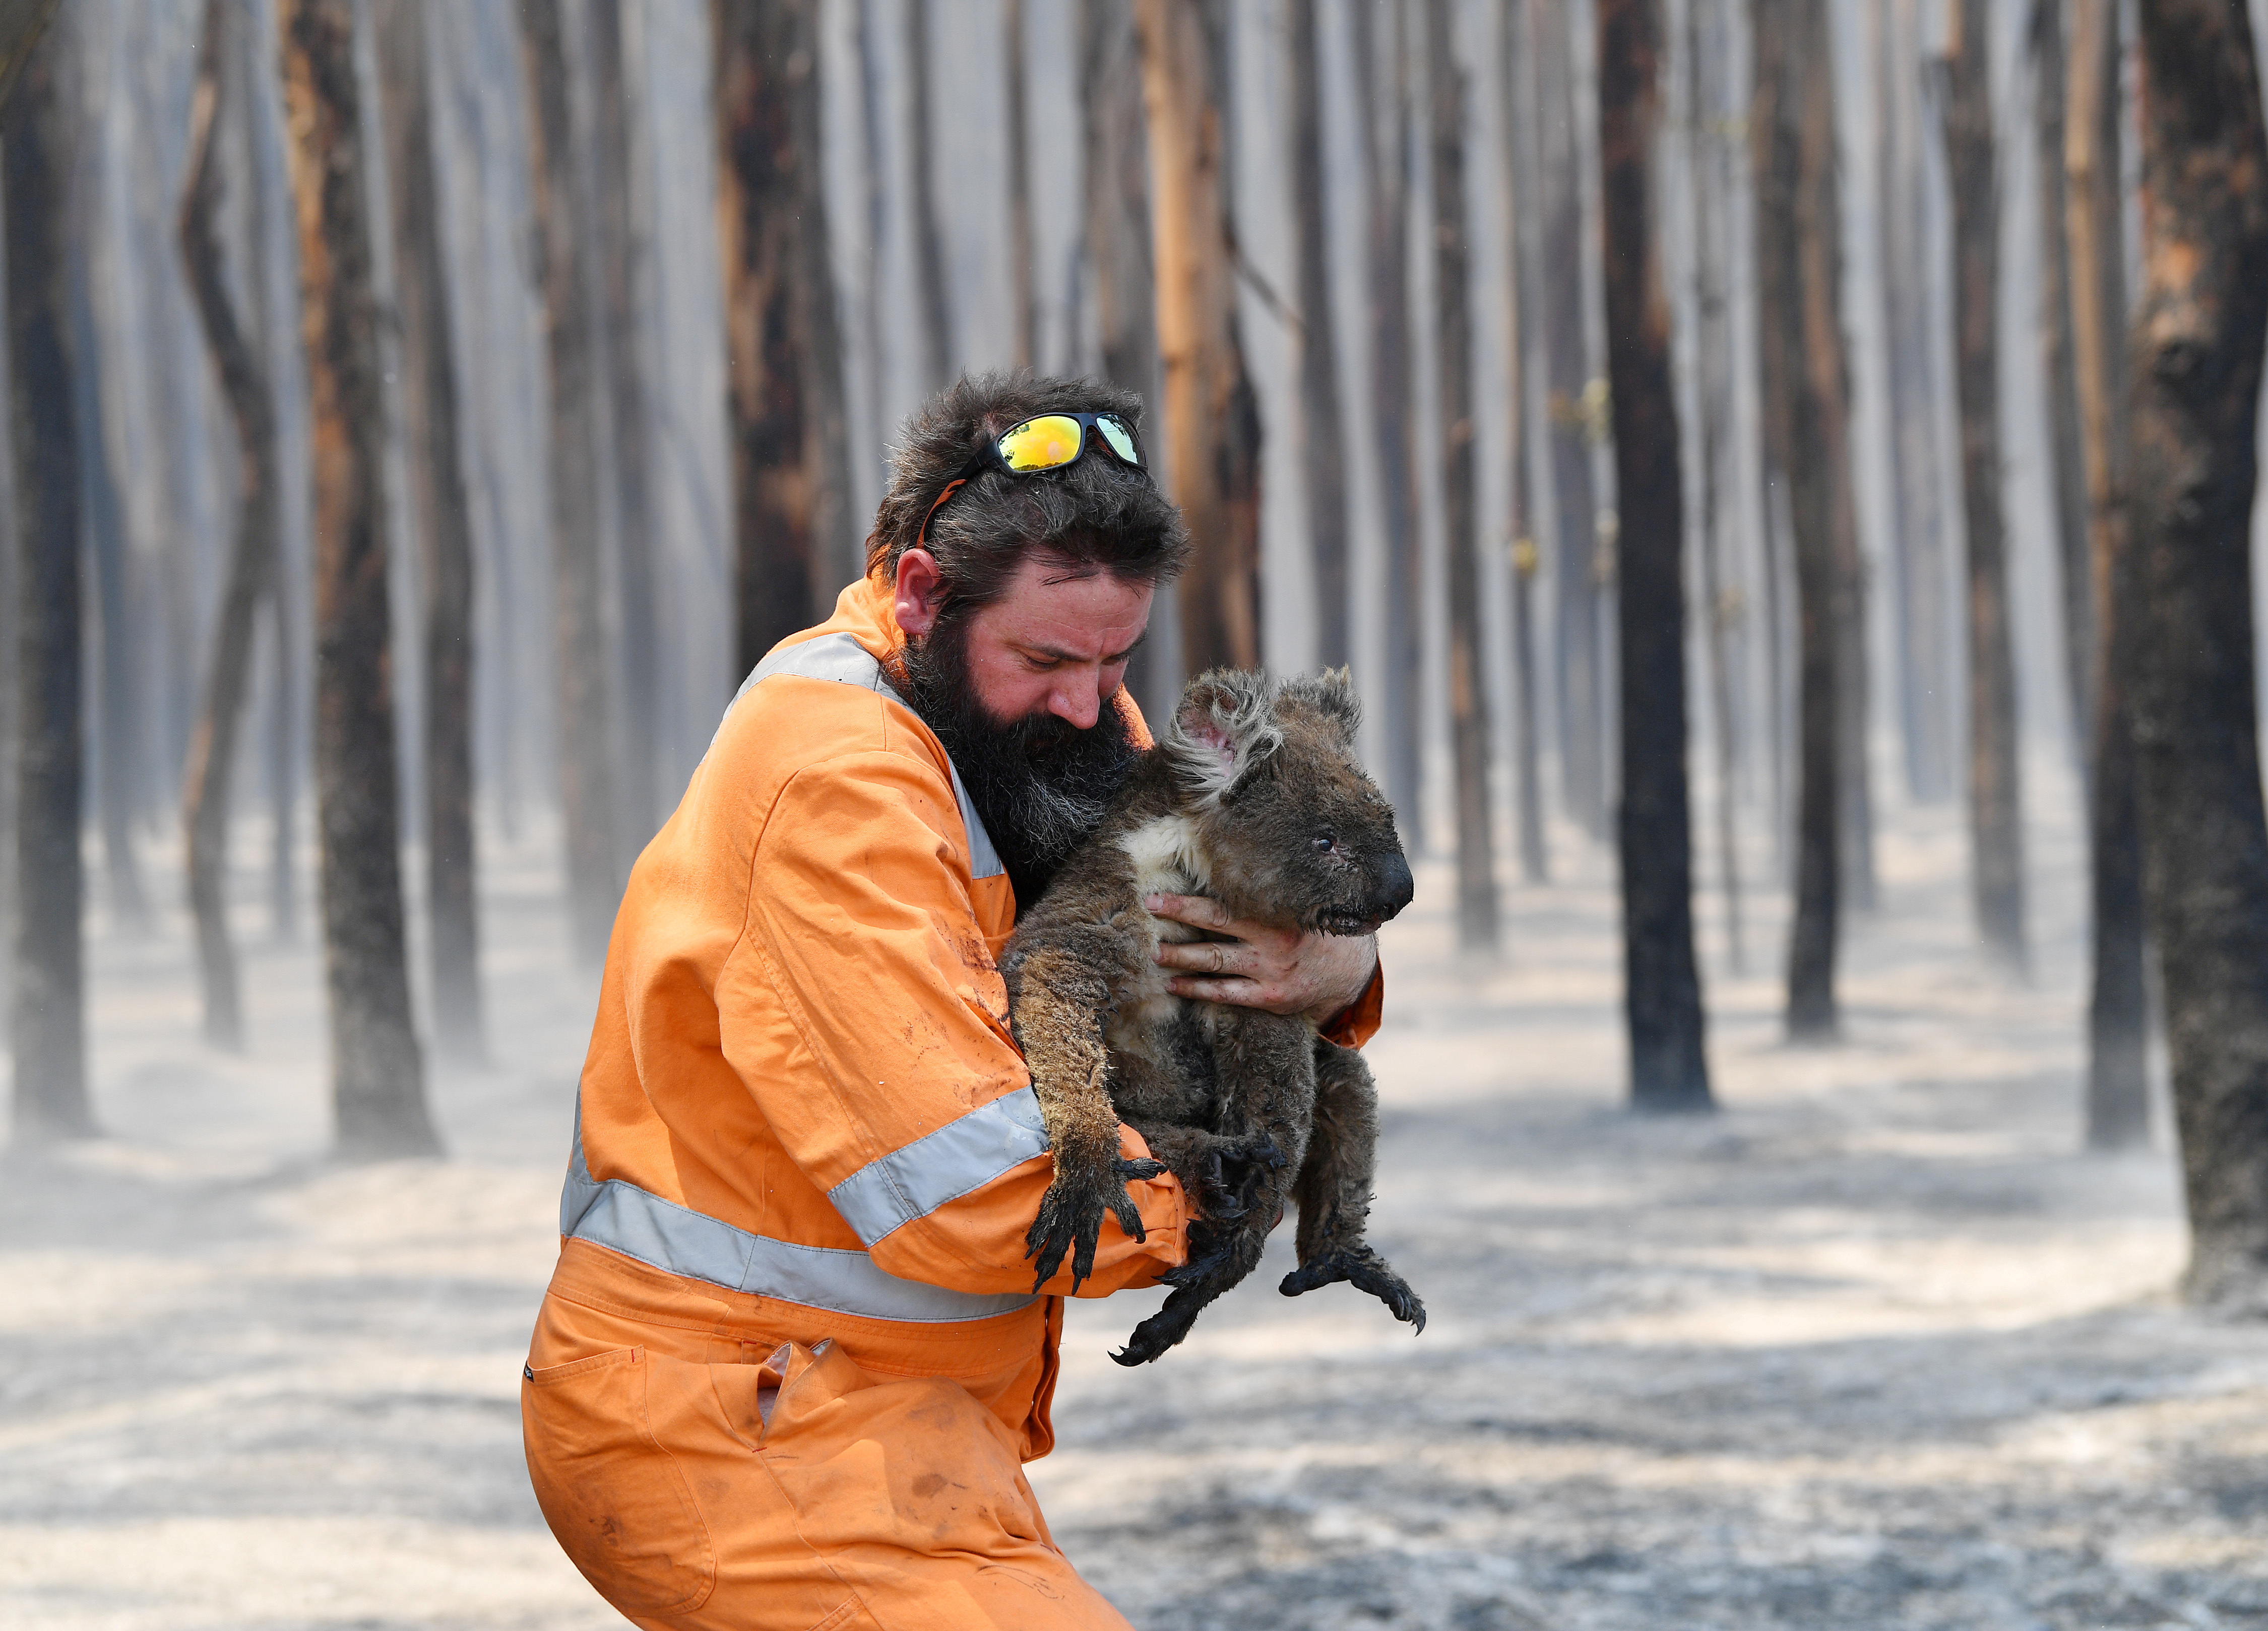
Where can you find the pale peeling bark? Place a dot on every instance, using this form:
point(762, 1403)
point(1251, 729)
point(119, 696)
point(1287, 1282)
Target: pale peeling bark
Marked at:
point(1323, 434)
point(378, 1075)
point(1515, 56)
point(2195, 351)
point(1670, 1068)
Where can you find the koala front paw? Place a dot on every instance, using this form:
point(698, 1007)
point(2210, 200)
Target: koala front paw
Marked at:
point(1071, 1218)
point(1366, 1271)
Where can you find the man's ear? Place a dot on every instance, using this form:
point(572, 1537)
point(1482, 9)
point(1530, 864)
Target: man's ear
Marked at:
point(1224, 726)
point(920, 592)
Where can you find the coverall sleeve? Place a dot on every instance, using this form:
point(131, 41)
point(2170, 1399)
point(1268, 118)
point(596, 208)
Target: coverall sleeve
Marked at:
point(860, 921)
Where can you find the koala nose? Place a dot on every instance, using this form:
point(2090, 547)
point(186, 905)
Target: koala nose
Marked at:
point(1397, 888)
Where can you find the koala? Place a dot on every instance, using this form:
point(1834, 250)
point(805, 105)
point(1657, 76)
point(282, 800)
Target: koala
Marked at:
point(1253, 797)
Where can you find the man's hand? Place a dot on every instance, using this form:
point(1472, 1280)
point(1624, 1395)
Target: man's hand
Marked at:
point(1280, 971)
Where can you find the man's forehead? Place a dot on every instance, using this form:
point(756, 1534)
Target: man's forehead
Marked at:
point(1071, 611)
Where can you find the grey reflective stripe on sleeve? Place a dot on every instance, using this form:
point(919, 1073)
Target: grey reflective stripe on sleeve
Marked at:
point(964, 1155)
point(841, 658)
point(678, 1240)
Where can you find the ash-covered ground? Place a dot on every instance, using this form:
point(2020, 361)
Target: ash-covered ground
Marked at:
point(1873, 1346)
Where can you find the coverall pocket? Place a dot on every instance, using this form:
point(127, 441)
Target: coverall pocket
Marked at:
point(615, 1499)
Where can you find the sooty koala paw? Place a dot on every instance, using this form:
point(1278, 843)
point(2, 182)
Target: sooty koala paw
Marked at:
point(1071, 1218)
point(1364, 1270)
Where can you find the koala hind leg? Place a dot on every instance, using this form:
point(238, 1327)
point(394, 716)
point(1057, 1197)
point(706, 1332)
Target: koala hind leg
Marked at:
point(1334, 1188)
point(1265, 1073)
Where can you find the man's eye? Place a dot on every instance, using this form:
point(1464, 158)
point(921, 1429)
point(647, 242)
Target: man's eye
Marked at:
point(1325, 841)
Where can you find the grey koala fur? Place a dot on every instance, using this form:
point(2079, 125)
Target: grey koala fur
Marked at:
point(1252, 797)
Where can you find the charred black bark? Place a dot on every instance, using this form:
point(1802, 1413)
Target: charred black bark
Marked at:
point(1669, 1070)
point(2195, 349)
point(378, 1076)
point(48, 1028)
point(442, 506)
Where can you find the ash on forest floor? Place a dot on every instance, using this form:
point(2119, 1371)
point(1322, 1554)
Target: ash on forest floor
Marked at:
point(1873, 1347)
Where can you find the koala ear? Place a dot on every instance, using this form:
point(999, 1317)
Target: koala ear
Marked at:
point(1330, 694)
point(1224, 726)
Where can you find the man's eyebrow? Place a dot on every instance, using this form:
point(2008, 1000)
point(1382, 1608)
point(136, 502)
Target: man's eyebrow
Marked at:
point(1055, 655)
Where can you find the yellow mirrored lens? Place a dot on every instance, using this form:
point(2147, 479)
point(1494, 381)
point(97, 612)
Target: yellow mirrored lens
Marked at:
point(1120, 439)
point(1040, 444)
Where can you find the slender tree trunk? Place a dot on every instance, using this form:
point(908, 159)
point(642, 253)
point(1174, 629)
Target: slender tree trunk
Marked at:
point(119, 735)
point(1710, 157)
point(586, 761)
point(442, 510)
point(1123, 279)
point(2118, 1014)
point(23, 24)
point(621, 259)
point(1798, 275)
point(1669, 1070)
point(1469, 722)
point(2196, 355)
point(1322, 435)
point(1021, 295)
point(785, 397)
point(1916, 397)
point(1382, 112)
point(1212, 415)
point(378, 1076)
point(1578, 568)
point(1515, 56)
point(251, 577)
point(2066, 458)
point(48, 1028)
point(1995, 797)
point(933, 276)
point(874, 109)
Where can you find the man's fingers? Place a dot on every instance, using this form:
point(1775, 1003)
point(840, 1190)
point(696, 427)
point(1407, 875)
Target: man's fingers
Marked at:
point(1198, 911)
point(1207, 957)
point(1243, 993)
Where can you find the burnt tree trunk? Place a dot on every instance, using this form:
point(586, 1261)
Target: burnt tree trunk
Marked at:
point(244, 381)
point(1469, 721)
point(1213, 415)
point(441, 506)
point(1800, 334)
point(587, 759)
point(1382, 112)
point(1122, 281)
point(1995, 797)
point(2118, 1010)
point(1515, 93)
point(780, 324)
point(2067, 460)
point(622, 267)
point(2196, 355)
point(1669, 1070)
point(1577, 564)
point(1323, 434)
point(1916, 494)
point(23, 24)
point(378, 1076)
point(931, 274)
point(48, 1029)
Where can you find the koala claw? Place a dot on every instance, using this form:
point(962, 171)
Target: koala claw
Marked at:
point(1070, 1220)
point(1364, 1270)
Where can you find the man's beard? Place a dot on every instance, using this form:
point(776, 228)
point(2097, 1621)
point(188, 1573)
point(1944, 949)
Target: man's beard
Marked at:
point(1040, 783)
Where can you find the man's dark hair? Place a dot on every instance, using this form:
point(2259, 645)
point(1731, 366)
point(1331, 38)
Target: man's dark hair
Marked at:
point(1094, 514)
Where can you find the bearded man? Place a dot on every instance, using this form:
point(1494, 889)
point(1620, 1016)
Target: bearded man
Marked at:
point(793, 1358)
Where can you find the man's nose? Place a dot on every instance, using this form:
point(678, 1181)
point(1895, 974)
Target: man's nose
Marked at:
point(1078, 700)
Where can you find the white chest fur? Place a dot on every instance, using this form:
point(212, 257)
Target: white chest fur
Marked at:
point(1167, 861)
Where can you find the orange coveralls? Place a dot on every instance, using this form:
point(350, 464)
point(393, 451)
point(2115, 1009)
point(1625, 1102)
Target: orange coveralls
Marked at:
point(791, 1362)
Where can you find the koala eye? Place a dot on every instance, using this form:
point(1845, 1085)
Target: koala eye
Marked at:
point(1324, 843)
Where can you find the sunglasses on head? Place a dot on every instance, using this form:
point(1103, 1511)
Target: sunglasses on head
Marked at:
point(1045, 442)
